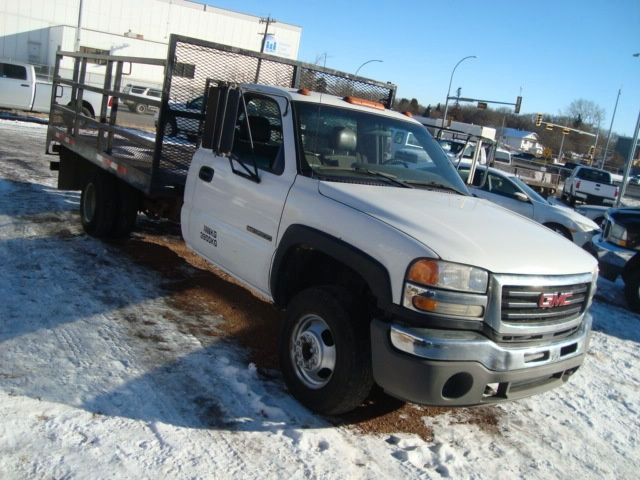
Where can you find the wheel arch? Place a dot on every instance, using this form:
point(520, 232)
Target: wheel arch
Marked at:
point(559, 226)
point(307, 256)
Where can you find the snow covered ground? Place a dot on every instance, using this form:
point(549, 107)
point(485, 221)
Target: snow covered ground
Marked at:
point(109, 369)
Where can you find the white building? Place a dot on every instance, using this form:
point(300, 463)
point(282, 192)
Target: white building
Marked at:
point(33, 30)
point(521, 140)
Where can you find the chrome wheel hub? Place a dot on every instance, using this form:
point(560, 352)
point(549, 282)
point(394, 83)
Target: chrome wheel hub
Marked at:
point(313, 351)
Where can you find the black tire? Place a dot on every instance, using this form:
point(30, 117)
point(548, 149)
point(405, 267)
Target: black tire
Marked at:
point(632, 290)
point(559, 229)
point(141, 108)
point(127, 206)
point(98, 204)
point(340, 327)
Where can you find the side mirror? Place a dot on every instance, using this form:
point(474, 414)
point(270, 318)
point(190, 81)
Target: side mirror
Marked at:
point(521, 197)
point(229, 115)
point(211, 130)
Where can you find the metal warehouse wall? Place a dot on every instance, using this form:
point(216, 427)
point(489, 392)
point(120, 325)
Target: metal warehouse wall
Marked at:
point(32, 30)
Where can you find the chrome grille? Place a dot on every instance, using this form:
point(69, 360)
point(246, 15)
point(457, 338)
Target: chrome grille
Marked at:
point(540, 305)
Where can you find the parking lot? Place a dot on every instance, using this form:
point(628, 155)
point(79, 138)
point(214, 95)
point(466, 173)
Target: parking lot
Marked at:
point(136, 359)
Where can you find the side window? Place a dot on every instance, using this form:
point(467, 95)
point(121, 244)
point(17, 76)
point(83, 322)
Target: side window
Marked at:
point(154, 93)
point(258, 136)
point(138, 90)
point(478, 177)
point(412, 142)
point(501, 186)
point(17, 72)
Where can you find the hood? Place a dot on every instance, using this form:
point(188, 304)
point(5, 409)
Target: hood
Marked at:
point(466, 229)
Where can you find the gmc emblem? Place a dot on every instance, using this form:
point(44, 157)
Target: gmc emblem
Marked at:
point(551, 300)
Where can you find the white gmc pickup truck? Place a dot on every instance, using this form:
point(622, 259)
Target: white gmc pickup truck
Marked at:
point(389, 271)
point(21, 90)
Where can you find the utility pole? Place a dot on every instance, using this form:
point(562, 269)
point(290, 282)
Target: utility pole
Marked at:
point(76, 46)
point(267, 21)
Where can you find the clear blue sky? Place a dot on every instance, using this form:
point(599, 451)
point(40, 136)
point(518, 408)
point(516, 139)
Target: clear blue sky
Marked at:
point(556, 51)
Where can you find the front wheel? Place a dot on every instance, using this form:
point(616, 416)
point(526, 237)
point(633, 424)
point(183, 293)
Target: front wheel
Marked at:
point(632, 290)
point(325, 352)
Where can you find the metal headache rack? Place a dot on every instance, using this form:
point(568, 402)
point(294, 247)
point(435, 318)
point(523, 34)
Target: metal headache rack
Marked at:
point(156, 162)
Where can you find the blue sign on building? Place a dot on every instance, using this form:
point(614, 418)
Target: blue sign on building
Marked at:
point(270, 44)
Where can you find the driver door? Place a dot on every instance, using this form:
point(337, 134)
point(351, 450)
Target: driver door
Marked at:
point(234, 220)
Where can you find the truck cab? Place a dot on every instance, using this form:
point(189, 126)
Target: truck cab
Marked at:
point(390, 272)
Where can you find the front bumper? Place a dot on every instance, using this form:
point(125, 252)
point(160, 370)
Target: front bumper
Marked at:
point(462, 368)
point(611, 258)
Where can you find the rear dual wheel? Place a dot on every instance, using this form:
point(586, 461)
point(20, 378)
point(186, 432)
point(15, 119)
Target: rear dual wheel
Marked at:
point(108, 206)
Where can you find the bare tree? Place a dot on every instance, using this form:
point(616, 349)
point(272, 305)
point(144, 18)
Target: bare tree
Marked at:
point(585, 111)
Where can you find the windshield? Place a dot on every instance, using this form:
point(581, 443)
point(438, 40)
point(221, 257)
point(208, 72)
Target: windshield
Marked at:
point(598, 176)
point(340, 144)
point(531, 193)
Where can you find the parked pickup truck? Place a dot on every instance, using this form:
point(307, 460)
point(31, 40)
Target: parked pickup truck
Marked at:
point(618, 251)
point(389, 272)
point(590, 185)
point(20, 90)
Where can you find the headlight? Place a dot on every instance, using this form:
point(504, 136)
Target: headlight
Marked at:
point(450, 276)
point(446, 289)
point(618, 235)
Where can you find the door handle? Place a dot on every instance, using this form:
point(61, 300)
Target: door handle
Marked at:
point(25, 85)
point(206, 174)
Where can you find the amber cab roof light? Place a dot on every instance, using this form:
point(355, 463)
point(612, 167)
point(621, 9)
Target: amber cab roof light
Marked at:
point(363, 102)
point(304, 91)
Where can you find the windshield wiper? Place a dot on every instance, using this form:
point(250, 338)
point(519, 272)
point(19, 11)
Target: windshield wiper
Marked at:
point(387, 176)
point(438, 185)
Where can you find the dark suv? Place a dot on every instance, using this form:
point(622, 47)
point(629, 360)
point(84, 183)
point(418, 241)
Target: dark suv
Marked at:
point(618, 251)
point(144, 93)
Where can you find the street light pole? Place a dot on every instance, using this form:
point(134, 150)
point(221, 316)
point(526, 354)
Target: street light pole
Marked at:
point(368, 61)
point(606, 146)
point(446, 102)
point(632, 152)
point(561, 146)
point(627, 166)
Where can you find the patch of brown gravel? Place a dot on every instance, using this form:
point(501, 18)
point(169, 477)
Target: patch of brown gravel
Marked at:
point(197, 287)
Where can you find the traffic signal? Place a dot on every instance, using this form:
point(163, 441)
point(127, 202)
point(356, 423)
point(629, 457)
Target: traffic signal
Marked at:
point(538, 119)
point(566, 130)
point(592, 151)
point(518, 104)
point(482, 105)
